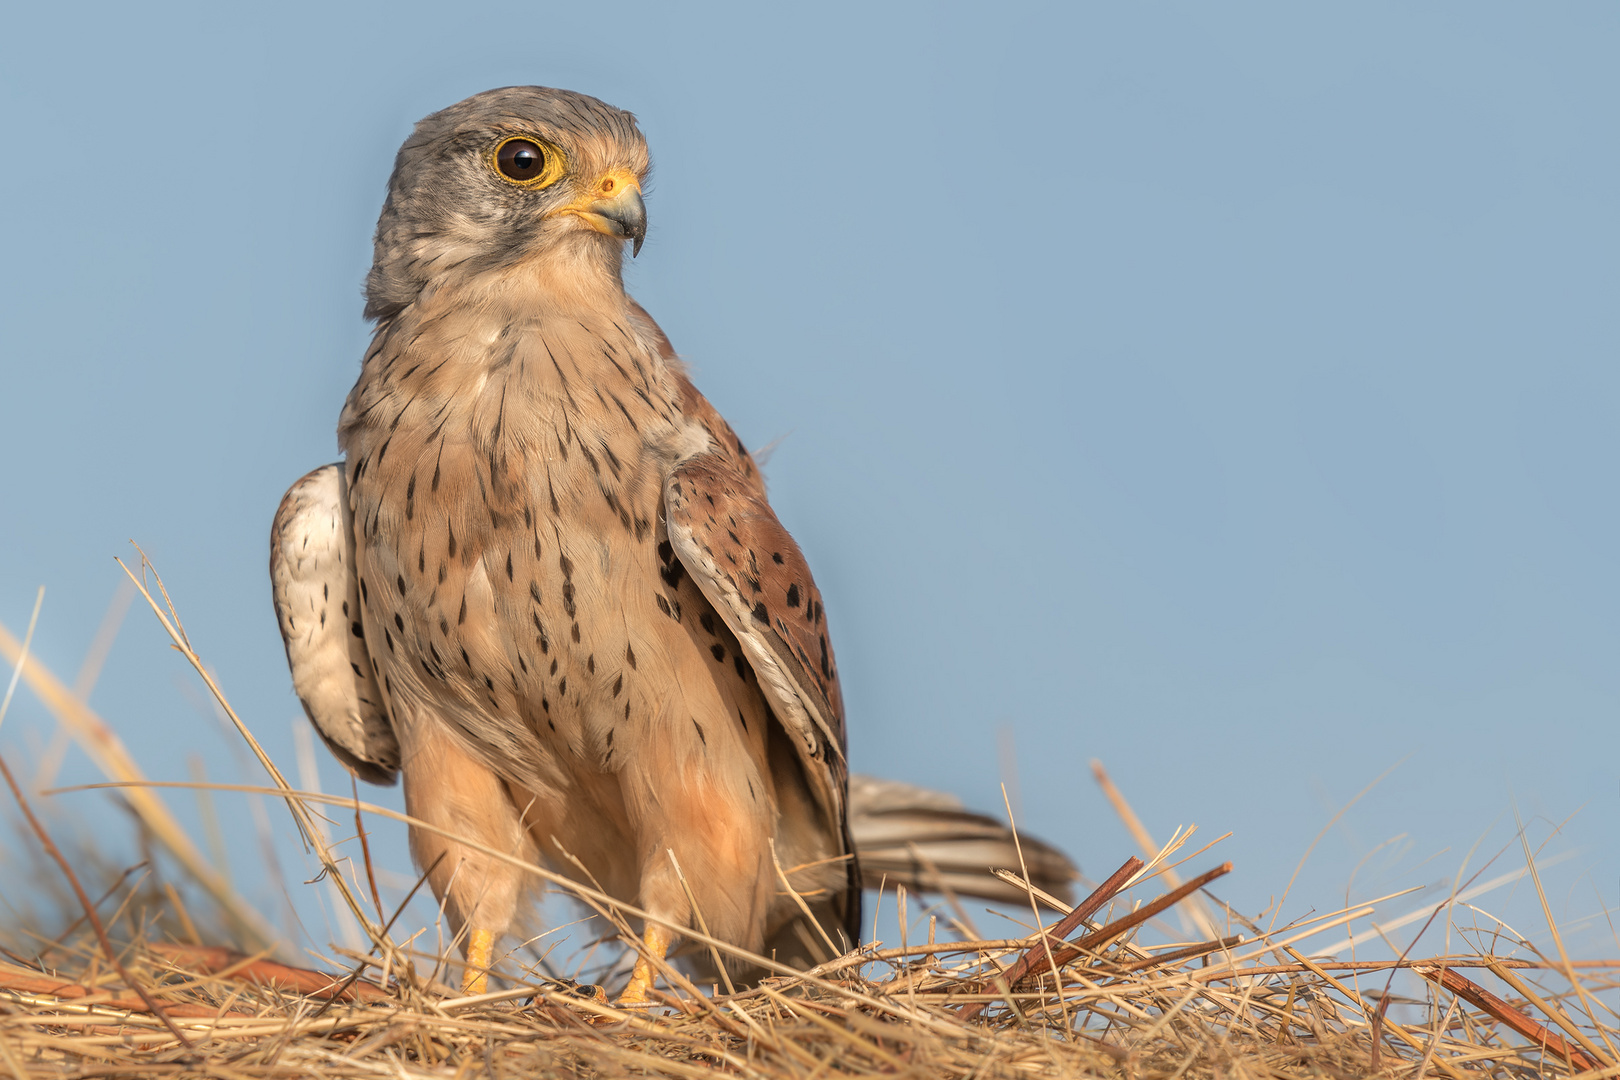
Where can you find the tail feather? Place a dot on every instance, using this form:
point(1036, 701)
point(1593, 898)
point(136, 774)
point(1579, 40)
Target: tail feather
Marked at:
point(926, 841)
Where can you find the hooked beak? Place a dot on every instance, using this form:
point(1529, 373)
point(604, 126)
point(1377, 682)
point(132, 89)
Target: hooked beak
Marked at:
point(613, 206)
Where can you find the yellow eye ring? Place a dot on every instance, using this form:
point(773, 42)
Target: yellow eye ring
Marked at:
point(525, 161)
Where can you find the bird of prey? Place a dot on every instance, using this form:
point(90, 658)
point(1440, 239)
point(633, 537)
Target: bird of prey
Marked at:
point(545, 583)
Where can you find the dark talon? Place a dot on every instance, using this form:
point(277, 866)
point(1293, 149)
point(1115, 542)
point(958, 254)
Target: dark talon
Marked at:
point(569, 988)
point(585, 991)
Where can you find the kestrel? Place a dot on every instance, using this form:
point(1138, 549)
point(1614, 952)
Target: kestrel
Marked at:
point(545, 584)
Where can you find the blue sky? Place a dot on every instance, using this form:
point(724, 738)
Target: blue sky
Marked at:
point(1227, 392)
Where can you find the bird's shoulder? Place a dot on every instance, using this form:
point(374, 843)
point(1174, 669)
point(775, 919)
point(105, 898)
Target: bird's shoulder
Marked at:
point(723, 440)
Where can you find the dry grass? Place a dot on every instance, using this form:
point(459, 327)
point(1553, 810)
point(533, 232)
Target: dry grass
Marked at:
point(1114, 1009)
point(128, 989)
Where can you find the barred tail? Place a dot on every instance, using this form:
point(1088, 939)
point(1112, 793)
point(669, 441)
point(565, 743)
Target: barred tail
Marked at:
point(926, 841)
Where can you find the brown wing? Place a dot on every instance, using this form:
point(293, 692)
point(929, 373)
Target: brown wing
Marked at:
point(729, 539)
point(748, 567)
point(779, 576)
point(751, 570)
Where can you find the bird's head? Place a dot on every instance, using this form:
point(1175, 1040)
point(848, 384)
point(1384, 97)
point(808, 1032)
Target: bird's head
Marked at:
point(521, 177)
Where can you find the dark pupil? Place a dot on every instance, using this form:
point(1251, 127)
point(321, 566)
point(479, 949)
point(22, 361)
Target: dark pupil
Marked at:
point(521, 160)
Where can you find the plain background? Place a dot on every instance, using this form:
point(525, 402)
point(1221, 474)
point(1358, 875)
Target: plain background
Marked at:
point(1227, 392)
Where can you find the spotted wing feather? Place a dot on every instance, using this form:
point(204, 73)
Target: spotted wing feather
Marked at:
point(318, 609)
point(729, 472)
point(749, 568)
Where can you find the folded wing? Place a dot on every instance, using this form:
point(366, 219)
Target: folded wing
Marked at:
point(318, 609)
point(748, 567)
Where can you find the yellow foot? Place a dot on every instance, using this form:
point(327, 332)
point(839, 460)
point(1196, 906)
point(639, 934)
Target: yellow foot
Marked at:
point(641, 979)
point(475, 975)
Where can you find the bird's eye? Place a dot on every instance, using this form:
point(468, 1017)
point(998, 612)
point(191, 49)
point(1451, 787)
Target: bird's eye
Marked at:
point(520, 160)
point(526, 162)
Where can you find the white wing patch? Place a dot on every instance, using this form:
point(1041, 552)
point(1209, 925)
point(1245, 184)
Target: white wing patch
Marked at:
point(318, 609)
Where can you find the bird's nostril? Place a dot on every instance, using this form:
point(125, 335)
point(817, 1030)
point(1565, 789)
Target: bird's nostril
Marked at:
point(607, 184)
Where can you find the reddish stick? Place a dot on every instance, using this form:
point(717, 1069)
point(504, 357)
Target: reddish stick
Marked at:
point(89, 909)
point(1189, 953)
point(1041, 951)
point(1141, 915)
point(70, 993)
point(210, 961)
point(1482, 999)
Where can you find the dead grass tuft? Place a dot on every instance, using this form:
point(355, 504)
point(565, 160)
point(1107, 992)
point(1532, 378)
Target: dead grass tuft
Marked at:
point(129, 989)
point(958, 1009)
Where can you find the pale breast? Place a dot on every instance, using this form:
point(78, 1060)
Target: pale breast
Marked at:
point(506, 476)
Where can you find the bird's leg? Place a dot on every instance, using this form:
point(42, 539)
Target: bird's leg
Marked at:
point(658, 939)
point(480, 947)
point(705, 838)
point(449, 790)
